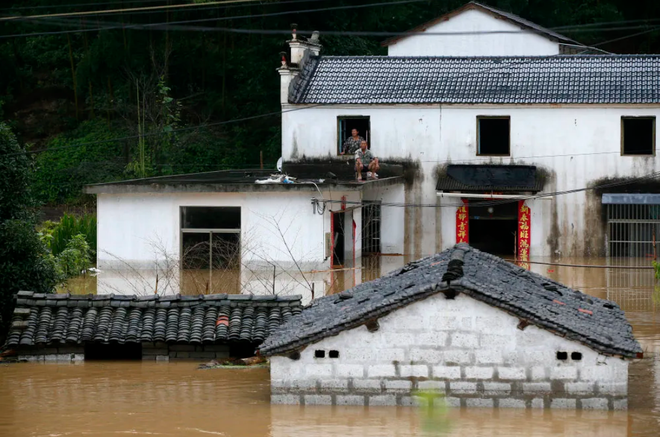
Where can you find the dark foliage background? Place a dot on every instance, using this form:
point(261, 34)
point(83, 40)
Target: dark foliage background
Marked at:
point(61, 90)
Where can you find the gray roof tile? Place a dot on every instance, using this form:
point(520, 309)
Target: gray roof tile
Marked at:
point(54, 319)
point(601, 325)
point(571, 79)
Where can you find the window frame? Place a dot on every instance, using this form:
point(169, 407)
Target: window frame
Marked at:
point(653, 134)
point(491, 117)
point(209, 231)
point(340, 141)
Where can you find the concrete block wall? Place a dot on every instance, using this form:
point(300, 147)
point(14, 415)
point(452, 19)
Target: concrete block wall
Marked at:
point(471, 352)
point(63, 353)
point(158, 351)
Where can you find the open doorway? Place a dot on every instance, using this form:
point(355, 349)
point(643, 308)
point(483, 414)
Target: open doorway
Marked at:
point(494, 228)
point(338, 238)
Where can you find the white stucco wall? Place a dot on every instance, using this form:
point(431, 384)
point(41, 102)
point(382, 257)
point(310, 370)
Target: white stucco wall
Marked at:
point(493, 44)
point(465, 348)
point(576, 145)
point(130, 225)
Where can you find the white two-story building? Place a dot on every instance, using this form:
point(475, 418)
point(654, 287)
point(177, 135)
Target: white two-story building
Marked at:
point(510, 136)
point(490, 129)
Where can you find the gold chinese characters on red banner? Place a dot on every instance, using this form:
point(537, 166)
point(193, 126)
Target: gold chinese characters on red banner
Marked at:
point(462, 222)
point(524, 232)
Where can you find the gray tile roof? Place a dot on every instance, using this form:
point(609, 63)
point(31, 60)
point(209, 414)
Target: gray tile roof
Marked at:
point(43, 319)
point(597, 323)
point(590, 79)
point(489, 178)
point(508, 16)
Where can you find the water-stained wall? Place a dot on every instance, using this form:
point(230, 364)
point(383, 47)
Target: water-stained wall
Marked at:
point(574, 145)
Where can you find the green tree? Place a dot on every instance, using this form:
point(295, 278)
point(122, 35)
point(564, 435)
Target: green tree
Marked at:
point(24, 260)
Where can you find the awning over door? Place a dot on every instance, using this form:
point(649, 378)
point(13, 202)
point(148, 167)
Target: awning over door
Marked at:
point(490, 178)
point(631, 199)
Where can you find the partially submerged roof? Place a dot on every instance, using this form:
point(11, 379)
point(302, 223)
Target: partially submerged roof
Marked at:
point(599, 324)
point(507, 16)
point(45, 319)
point(567, 79)
point(230, 181)
point(490, 178)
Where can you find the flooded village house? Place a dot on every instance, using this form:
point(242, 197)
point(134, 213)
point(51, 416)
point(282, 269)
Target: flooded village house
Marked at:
point(465, 324)
point(516, 111)
point(456, 118)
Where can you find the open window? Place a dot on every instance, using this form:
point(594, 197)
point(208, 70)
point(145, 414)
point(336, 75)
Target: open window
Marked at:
point(638, 135)
point(210, 237)
point(345, 126)
point(493, 136)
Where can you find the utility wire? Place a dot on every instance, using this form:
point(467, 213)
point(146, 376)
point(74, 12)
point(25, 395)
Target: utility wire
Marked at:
point(79, 4)
point(506, 201)
point(124, 10)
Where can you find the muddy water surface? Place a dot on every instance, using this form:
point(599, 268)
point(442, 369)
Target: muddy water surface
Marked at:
point(152, 399)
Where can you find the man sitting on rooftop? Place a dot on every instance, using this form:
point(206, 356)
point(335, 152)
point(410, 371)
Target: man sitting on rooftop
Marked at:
point(366, 161)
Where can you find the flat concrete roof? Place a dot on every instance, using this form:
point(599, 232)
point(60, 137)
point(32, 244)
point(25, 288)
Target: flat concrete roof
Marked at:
point(229, 181)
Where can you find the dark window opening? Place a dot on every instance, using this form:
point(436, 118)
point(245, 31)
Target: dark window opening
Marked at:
point(563, 356)
point(319, 354)
point(371, 228)
point(203, 217)
point(638, 135)
point(333, 354)
point(113, 351)
point(345, 126)
point(576, 356)
point(494, 229)
point(493, 135)
point(210, 237)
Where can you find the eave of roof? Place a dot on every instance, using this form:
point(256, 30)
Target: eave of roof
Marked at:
point(512, 18)
point(218, 182)
point(597, 323)
point(42, 319)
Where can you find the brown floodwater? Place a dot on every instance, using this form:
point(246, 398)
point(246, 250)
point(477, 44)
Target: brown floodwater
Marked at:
point(177, 399)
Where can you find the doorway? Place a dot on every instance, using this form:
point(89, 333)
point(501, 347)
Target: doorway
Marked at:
point(494, 228)
point(338, 238)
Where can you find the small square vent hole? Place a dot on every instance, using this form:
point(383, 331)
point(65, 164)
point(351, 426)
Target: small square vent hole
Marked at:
point(576, 356)
point(563, 356)
point(333, 354)
point(319, 354)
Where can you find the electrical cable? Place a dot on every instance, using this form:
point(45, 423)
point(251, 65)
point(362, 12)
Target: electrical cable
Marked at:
point(124, 10)
point(505, 201)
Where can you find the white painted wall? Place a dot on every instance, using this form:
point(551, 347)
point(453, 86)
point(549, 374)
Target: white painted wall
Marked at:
point(494, 44)
point(453, 346)
point(129, 225)
point(578, 145)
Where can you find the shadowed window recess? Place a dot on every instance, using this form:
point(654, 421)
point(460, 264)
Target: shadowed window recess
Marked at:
point(493, 136)
point(345, 126)
point(638, 135)
point(210, 237)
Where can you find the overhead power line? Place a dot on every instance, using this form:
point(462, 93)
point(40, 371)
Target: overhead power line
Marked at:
point(124, 10)
point(631, 181)
point(22, 8)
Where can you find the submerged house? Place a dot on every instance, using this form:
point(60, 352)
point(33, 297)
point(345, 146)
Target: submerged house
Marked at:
point(64, 327)
point(482, 104)
point(483, 331)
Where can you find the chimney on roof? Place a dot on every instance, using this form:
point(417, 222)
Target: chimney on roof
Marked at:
point(300, 47)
